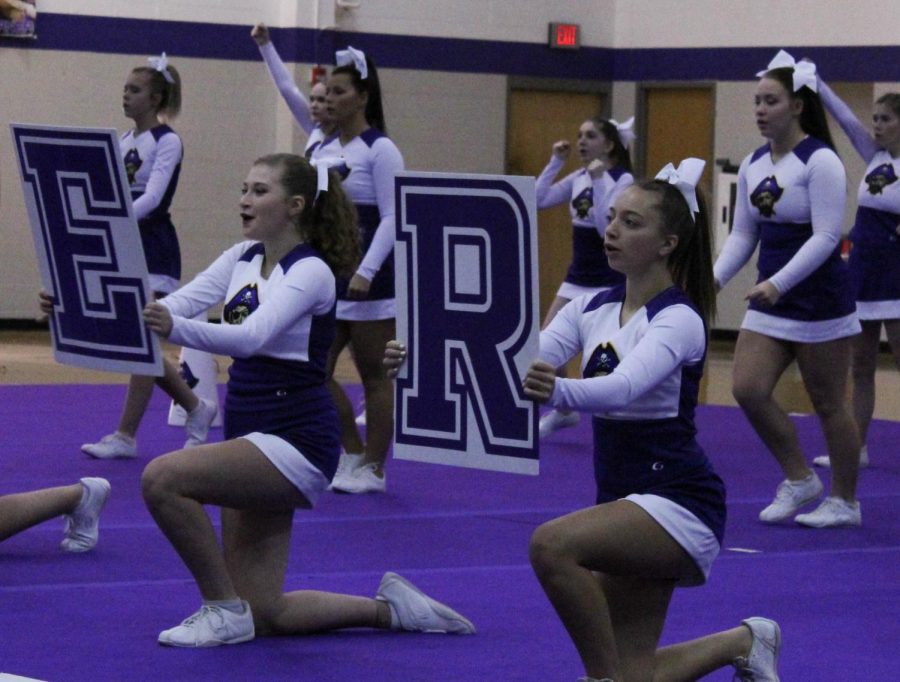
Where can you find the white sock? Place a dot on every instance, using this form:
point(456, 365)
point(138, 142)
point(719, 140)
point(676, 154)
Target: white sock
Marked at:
point(234, 605)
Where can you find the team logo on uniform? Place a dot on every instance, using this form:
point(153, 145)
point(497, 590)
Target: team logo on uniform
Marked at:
point(584, 202)
point(132, 164)
point(241, 305)
point(603, 361)
point(766, 195)
point(881, 177)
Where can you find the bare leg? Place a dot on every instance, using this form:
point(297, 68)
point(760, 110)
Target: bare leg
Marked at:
point(368, 340)
point(350, 438)
point(19, 511)
point(256, 551)
point(615, 636)
point(759, 361)
point(140, 390)
point(698, 657)
point(258, 506)
point(892, 327)
point(865, 363)
point(230, 474)
point(824, 368)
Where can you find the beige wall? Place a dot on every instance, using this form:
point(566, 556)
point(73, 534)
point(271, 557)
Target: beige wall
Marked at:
point(440, 121)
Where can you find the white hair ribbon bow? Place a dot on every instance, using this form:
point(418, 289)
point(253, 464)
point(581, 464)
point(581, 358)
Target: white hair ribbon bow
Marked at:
point(354, 57)
point(625, 130)
point(322, 167)
point(685, 179)
point(804, 72)
point(161, 64)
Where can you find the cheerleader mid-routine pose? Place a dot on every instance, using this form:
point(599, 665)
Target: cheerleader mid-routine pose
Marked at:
point(310, 114)
point(590, 192)
point(367, 161)
point(281, 425)
point(610, 570)
point(152, 153)
point(875, 256)
point(790, 201)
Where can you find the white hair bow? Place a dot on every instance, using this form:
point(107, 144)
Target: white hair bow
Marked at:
point(161, 64)
point(354, 57)
point(685, 179)
point(322, 167)
point(625, 130)
point(804, 72)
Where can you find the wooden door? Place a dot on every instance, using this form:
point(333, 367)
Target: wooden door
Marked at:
point(537, 119)
point(678, 124)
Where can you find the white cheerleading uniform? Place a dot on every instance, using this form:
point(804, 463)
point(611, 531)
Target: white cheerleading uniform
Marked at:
point(153, 165)
point(278, 330)
point(641, 381)
point(295, 100)
point(793, 209)
point(875, 256)
point(589, 202)
point(367, 166)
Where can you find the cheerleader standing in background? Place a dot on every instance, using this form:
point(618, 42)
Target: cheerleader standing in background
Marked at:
point(367, 161)
point(790, 201)
point(152, 152)
point(591, 191)
point(311, 115)
point(875, 256)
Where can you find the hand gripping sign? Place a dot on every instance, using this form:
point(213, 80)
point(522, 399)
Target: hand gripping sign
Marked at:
point(88, 247)
point(466, 277)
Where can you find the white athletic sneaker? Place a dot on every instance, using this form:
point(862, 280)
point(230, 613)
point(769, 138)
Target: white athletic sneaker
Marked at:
point(834, 512)
point(82, 525)
point(211, 626)
point(761, 664)
point(361, 480)
point(197, 423)
point(415, 611)
point(825, 460)
point(555, 420)
point(346, 465)
point(113, 446)
point(790, 496)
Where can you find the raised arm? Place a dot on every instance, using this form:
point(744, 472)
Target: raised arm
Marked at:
point(859, 135)
point(295, 100)
point(547, 192)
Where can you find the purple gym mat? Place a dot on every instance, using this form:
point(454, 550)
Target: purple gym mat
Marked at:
point(460, 534)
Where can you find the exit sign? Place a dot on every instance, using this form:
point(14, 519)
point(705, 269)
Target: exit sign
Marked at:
point(564, 36)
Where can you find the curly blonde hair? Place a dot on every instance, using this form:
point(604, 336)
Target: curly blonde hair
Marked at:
point(327, 223)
